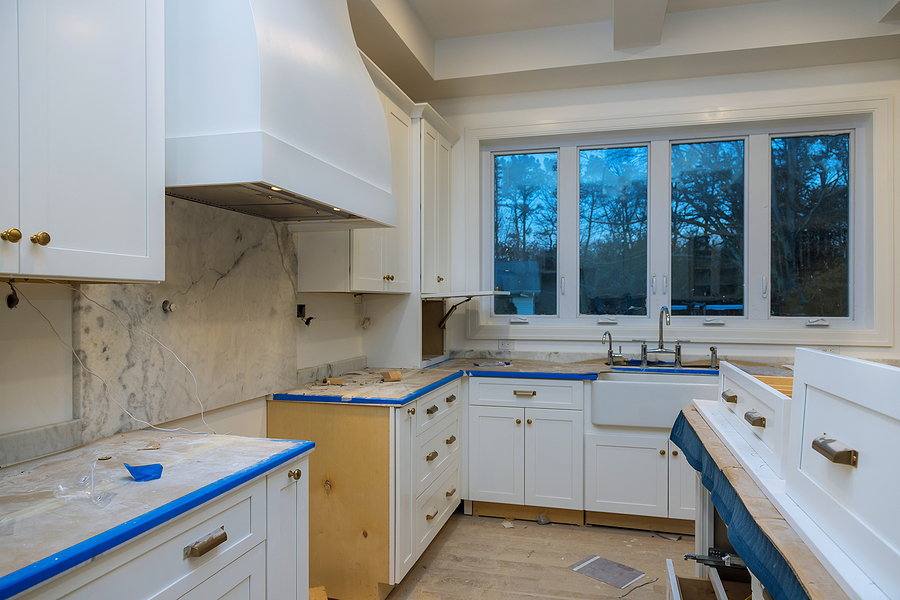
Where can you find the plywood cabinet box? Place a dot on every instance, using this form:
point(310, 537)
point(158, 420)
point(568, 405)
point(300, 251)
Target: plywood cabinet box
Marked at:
point(384, 481)
point(82, 156)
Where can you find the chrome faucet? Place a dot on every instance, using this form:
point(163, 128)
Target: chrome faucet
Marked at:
point(610, 356)
point(664, 311)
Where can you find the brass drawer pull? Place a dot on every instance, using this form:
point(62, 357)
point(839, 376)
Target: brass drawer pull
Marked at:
point(295, 474)
point(835, 451)
point(205, 544)
point(432, 410)
point(450, 492)
point(450, 439)
point(527, 393)
point(431, 515)
point(451, 398)
point(754, 418)
point(431, 455)
point(729, 396)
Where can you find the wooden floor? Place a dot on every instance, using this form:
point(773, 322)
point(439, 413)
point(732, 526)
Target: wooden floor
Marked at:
point(476, 557)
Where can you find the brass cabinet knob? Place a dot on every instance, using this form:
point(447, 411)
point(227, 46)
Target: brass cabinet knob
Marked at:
point(41, 238)
point(528, 421)
point(662, 452)
point(518, 421)
point(295, 474)
point(439, 279)
point(11, 235)
point(411, 411)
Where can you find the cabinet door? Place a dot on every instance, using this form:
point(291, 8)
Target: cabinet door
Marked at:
point(244, 579)
point(91, 129)
point(626, 474)
point(397, 249)
point(497, 454)
point(682, 492)
point(554, 469)
point(287, 531)
point(405, 551)
point(9, 134)
point(381, 257)
point(442, 227)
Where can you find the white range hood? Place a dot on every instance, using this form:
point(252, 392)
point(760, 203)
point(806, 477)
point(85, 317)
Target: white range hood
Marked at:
point(270, 112)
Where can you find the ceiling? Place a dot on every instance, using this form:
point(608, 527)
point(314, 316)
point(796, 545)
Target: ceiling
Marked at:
point(438, 49)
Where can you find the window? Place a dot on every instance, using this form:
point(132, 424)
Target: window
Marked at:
point(738, 227)
point(613, 231)
point(708, 228)
point(525, 214)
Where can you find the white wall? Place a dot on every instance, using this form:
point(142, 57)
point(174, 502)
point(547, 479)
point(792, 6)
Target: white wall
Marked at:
point(702, 96)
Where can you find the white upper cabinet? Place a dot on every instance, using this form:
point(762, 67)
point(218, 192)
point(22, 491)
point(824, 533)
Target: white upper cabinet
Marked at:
point(380, 259)
point(82, 146)
point(436, 139)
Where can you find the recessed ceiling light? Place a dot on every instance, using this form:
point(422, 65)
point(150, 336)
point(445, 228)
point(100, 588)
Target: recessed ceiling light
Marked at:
point(277, 189)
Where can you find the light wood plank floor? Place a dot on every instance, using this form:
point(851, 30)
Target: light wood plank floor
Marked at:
point(478, 558)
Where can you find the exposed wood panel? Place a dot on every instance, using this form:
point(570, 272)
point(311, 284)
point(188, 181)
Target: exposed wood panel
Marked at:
point(681, 526)
point(349, 492)
point(527, 513)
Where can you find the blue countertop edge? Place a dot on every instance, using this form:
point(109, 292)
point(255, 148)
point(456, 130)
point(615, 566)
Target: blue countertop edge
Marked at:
point(292, 397)
point(55, 564)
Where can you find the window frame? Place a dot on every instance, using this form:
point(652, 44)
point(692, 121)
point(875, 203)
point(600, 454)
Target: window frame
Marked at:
point(871, 300)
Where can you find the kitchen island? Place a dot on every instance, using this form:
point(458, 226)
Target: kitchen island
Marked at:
point(77, 522)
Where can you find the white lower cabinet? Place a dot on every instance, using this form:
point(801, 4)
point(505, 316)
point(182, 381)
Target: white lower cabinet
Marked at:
point(640, 473)
point(262, 552)
point(524, 455)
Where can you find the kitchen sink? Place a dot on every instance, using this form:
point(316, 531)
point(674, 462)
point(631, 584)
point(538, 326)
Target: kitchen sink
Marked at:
point(652, 397)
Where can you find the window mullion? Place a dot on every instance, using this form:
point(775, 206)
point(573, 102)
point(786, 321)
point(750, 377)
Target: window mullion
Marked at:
point(659, 226)
point(758, 232)
point(567, 260)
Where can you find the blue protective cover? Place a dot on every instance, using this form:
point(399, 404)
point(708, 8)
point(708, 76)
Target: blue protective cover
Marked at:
point(145, 472)
point(749, 541)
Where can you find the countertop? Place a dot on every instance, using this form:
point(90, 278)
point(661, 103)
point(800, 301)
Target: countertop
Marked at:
point(367, 386)
point(49, 524)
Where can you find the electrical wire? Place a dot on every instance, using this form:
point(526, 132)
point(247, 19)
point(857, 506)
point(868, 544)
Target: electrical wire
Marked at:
point(106, 389)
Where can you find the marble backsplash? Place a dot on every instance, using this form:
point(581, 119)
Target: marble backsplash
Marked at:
point(232, 279)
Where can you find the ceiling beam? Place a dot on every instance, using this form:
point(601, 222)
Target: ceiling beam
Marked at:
point(890, 11)
point(638, 23)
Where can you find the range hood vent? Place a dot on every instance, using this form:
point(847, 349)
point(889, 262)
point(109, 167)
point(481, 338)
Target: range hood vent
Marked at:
point(271, 112)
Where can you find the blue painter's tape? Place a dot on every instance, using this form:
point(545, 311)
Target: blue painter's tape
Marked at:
point(755, 549)
point(36, 573)
point(567, 376)
point(291, 397)
point(145, 472)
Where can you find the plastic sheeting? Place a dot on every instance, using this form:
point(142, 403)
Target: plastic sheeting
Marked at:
point(749, 541)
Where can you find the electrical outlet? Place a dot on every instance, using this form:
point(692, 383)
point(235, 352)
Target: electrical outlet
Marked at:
point(301, 311)
point(506, 345)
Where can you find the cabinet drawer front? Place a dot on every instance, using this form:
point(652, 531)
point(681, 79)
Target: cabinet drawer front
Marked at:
point(436, 505)
point(528, 393)
point(852, 405)
point(758, 412)
point(436, 451)
point(155, 566)
point(433, 407)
